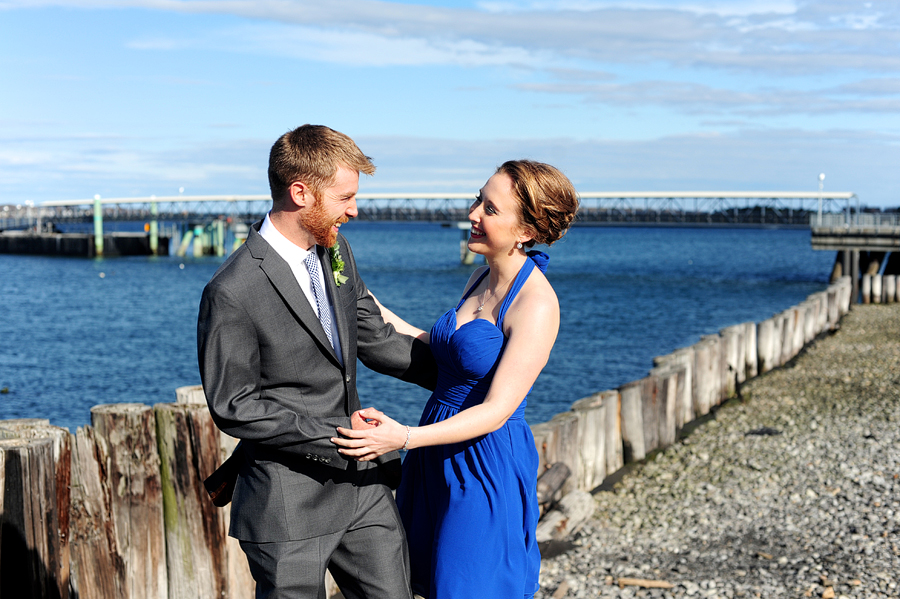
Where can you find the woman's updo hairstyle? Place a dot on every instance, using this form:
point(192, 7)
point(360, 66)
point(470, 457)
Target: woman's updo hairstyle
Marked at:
point(546, 197)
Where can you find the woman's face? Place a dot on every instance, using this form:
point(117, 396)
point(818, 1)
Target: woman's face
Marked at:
point(495, 217)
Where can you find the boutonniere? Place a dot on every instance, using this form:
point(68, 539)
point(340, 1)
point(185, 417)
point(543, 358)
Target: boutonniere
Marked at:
point(337, 264)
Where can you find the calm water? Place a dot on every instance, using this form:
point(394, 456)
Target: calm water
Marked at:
point(75, 333)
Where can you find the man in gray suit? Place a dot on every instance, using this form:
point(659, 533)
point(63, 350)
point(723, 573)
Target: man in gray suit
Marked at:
point(281, 325)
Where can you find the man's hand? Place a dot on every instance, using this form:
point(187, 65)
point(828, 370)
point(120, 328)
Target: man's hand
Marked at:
point(359, 421)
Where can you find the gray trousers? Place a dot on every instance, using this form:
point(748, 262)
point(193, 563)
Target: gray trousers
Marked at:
point(369, 560)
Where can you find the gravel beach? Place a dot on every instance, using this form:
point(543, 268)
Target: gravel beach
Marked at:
point(791, 491)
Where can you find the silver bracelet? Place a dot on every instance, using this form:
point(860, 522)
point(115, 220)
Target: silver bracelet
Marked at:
point(405, 445)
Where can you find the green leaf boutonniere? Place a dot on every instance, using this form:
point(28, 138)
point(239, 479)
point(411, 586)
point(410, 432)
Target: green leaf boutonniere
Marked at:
point(337, 264)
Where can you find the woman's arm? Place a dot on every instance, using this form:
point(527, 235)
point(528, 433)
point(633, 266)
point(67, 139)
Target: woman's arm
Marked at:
point(399, 324)
point(531, 327)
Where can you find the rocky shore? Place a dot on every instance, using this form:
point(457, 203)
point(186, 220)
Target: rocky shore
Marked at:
point(793, 490)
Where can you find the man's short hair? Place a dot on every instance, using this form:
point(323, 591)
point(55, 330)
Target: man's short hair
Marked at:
point(312, 154)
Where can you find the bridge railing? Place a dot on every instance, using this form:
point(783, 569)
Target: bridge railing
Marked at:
point(873, 221)
point(696, 208)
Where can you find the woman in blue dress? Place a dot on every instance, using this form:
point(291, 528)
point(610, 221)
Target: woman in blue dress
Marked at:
point(468, 496)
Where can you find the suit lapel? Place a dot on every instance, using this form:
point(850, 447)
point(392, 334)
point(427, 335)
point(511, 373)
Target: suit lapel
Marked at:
point(340, 315)
point(285, 283)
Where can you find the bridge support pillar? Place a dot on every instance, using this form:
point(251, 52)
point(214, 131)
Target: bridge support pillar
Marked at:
point(854, 276)
point(185, 243)
point(98, 227)
point(199, 241)
point(466, 256)
point(220, 238)
point(154, 229)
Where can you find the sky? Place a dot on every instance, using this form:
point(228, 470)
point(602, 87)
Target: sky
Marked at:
point(145, 97)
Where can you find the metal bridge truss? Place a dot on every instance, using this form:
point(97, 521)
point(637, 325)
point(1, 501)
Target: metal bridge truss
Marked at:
point(599, 208)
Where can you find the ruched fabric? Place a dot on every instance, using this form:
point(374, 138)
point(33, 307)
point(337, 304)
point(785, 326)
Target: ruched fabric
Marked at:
point(470, 509)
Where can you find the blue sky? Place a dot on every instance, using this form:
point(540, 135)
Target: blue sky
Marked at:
point(141, 97)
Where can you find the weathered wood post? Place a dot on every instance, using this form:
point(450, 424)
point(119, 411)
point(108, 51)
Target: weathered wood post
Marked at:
point(702, 382)
point(682, 360)
point(810, 320)
point(240, 581)
point(195, 529)
point(650, 408)
point(612, 405)
point(866, 288)
point(733, 363)
point(765, 339)
point(128, 474)
point(799, 329)
point(557, 441)
point(751, 367)
point(34, 549)
point(632, 422)
point(667, 378)
point(876, 289)
point(890, 288)
point(98, 570)
point(591, 415)
point(787, 335)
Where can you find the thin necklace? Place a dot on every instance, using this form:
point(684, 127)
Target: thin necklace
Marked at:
point(484, 297)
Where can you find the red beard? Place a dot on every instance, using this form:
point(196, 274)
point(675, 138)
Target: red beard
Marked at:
point(320, 225)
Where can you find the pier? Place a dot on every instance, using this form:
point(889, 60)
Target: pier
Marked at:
point(215, 225)
point(868, 250)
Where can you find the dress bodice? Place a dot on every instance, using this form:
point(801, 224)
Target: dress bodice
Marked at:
point(468, 356)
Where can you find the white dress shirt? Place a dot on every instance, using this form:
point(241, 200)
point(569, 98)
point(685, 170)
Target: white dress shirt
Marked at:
point(295, 256)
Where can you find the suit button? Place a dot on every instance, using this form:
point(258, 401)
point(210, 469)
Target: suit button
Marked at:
point(346, 378)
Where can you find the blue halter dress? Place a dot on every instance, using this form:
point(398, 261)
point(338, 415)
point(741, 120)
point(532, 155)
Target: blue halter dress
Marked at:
point(470, 509)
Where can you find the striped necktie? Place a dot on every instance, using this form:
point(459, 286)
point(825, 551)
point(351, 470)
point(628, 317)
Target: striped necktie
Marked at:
point(312, 265)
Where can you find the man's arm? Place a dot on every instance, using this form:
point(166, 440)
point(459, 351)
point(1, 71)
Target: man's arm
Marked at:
point(229, 358)
point(380, 347)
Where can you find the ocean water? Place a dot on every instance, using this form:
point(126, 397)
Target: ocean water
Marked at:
point(75, 333)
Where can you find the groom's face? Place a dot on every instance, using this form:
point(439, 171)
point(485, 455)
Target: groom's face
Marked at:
point(334, 206)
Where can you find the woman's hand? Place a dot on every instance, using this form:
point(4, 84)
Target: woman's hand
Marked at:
point(381, 435)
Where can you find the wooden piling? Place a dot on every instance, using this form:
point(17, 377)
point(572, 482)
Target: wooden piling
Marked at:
point(789, 321)
point(591, 417)
point(125, 445)
point(195, 529)
point(612, 421)
point(876, 289)
point(650, 409)
point(632, 422)
point(733, 362)
point(681, 360)
point(667, 401)
point(765, 339)
point(30, 555)
point(240, 581)
point(866, 288)
point(890, 289)
point(751, 366)
point(34, 513)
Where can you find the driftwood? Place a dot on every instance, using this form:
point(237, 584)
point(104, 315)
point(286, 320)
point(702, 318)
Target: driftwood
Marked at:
point(551, 481)
point(572, 511)
point(643, 583)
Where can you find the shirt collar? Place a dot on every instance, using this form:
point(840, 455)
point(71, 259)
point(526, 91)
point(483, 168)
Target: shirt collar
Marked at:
point(292, 253)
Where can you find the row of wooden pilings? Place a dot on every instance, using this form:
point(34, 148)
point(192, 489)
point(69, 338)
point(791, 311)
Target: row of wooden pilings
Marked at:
point(879, 288)
point(118, 509)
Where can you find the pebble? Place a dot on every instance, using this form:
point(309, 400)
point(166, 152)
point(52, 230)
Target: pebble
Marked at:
point(810, 512)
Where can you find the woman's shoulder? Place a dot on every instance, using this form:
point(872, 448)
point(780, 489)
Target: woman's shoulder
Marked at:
point(535, 302)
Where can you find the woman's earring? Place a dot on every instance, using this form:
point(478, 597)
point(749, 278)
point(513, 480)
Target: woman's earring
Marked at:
point(519, 246)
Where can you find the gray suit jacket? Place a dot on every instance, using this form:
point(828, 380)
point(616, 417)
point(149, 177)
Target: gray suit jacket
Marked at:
point(273, 380)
